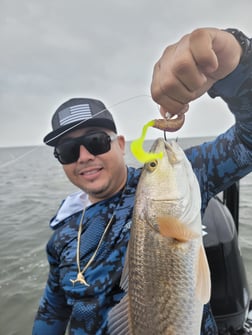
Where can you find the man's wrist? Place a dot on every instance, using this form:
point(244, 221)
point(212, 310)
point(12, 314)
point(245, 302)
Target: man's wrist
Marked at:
point(244, 42)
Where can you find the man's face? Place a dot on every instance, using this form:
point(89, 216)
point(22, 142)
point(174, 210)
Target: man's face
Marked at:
point(100, 176)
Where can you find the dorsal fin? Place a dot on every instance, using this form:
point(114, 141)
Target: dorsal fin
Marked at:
point(124, 283)
point(118, 318)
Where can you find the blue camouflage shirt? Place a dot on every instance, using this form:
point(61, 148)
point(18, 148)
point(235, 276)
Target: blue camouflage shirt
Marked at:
point(84, 309)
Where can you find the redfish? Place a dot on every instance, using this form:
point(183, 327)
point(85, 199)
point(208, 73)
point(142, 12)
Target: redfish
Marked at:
point(166, 275)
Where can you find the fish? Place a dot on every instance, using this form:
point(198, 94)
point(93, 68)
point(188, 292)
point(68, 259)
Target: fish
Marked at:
point(166, 277)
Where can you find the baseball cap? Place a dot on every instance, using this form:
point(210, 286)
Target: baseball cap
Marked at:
point(79, 113)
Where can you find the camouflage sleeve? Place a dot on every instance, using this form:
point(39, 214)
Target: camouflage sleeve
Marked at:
point(219, 163)
point(53, 312)
point(236, 91)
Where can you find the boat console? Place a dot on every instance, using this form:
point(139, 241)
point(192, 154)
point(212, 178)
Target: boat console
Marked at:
point(230, 296)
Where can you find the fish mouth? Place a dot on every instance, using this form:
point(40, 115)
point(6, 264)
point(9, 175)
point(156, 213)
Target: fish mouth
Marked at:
point(159, 144)
point(171, 149)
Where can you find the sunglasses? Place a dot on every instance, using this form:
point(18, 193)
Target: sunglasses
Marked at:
point(97, 143)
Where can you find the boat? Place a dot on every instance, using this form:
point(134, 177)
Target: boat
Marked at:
point(230, 297)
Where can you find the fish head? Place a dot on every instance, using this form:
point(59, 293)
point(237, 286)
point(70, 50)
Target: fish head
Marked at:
point(168, 186)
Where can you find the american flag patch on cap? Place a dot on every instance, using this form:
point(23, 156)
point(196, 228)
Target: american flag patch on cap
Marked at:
point(74, 113)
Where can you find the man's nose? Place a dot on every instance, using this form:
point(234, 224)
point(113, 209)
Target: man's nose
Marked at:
point(84, 154)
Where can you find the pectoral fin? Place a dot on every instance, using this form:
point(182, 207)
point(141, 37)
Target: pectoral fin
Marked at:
point(203, 284)
point(170, 226)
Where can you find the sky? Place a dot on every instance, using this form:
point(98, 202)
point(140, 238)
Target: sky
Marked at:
point(53, 50)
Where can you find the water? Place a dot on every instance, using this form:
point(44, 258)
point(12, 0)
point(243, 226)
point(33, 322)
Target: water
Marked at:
point(32, 188)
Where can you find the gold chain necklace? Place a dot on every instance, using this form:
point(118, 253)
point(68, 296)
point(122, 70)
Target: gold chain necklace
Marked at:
point(80, 278)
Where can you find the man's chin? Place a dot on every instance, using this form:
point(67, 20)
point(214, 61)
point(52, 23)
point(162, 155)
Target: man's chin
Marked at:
point(97, 194)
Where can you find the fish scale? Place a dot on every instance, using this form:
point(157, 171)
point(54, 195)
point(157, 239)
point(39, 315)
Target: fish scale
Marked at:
point(170, 288)
point(166, 276)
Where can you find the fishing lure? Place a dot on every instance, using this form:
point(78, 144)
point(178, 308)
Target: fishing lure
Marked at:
point(168, 124)
point(137, 147)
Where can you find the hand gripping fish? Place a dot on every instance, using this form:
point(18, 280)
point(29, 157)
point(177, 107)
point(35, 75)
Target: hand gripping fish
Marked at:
point(166, 275)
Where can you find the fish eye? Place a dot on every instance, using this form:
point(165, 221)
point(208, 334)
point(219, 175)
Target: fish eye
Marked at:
point(151, 166)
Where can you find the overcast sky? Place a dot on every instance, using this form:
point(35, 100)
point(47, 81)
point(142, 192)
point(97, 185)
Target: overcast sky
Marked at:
point(52, 50)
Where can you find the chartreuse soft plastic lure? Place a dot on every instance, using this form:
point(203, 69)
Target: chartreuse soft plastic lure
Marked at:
point(137, 147)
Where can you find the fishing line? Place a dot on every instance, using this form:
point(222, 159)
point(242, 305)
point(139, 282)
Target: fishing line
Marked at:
point(245, 242)
point(110, 107)
point(19, 157)
point(120, 102)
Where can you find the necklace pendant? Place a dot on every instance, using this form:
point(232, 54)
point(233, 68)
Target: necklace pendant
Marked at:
point(79, 279)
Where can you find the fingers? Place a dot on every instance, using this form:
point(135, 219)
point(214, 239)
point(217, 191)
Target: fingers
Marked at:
point(201, 47)
point(168, 115)
point(183, 73)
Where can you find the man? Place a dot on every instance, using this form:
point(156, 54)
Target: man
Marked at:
point(87, 250)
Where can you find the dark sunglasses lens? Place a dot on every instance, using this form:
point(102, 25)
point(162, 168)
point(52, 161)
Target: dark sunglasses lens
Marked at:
point(97, 143)
point(67, 152)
